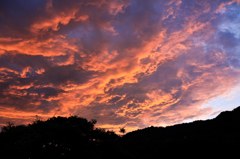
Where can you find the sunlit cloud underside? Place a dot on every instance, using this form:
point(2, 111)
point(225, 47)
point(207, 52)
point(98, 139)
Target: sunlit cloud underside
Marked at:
point(129, 63)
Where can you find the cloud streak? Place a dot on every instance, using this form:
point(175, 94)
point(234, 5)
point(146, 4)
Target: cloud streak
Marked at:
point(125, 62)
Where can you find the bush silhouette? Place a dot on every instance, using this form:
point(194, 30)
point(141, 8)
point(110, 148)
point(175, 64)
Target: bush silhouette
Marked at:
point(76, 137)
point(122, 130)
point(58, 137)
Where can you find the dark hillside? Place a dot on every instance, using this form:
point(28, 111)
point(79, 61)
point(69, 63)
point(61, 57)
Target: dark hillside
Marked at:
point(75, 137)
point(219, 135)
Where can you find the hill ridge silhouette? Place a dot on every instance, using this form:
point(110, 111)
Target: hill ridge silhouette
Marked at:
point(220, 134)
point(223, 117)
point(62, 137)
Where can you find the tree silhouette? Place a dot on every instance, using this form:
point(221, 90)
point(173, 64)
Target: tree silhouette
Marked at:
point(75, 137)
point(58, 137)
point(7, 127)
point(122, 130)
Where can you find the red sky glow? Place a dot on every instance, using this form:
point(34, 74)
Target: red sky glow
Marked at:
point(131, 63)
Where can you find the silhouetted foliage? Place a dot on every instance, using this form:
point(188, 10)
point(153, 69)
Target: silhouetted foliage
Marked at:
point(55, 138)
point(76, 137)
point(199, 138)
point(122, 130)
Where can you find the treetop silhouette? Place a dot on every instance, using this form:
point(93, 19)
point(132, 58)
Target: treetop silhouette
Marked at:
point(58, 137)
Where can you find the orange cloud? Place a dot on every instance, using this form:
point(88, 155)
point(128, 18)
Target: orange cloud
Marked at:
point(53, 23)
point(123, 63)
point(50, 47)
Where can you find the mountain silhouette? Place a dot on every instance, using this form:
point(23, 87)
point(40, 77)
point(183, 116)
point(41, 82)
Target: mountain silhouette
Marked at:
point(75, 137)
point(218, 136)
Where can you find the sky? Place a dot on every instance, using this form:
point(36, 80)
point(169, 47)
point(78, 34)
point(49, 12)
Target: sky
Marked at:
point(125, 63)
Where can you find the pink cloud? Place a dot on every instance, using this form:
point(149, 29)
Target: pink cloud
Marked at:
point(125, 63)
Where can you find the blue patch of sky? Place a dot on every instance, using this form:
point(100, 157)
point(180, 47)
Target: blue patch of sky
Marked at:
point(23, 7)
point(232, 21)
point(229, 100)
point(226, 102)
point(231, 24)
point(82, 32)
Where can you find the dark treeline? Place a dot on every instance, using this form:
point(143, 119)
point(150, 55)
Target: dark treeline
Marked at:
point(76, 137)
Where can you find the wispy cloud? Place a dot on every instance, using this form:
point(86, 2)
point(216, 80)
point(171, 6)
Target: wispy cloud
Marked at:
point(125, 62)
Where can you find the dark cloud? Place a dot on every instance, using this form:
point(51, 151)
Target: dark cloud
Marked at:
point(125, 63)
point(58, 75)
point(227, 40)
point(235, 63)
point(17, 16)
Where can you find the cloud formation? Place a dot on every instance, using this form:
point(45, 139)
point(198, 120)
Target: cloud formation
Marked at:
point(123, 62)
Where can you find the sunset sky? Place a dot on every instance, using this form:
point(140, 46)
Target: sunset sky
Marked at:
point(125, 63)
